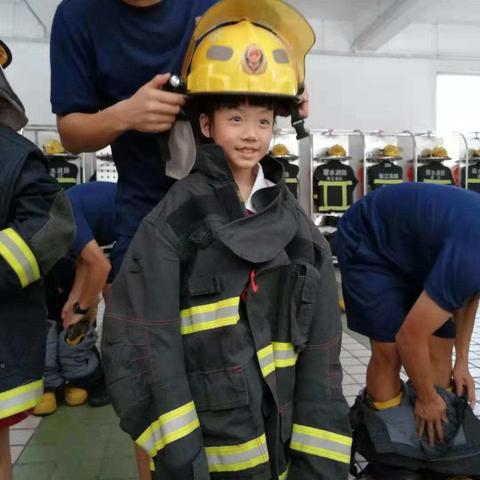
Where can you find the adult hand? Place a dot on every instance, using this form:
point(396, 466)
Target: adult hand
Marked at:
point(463, 380)
point(429, 415)
point(69, 318)
point(151, 109)
point(303, 104)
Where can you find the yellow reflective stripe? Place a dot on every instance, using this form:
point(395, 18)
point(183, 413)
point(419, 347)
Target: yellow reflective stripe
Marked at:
point(152, 465)
point(233, 458)
point(284, 354)
point(266, 360)
point(474, 180)
point(291, 180)
point(379, 181)
point(284, 475)
point(66, 180)
point(321, 443)
point(213, 315)
point(18, 255)
point(169, 427)
point(340, 208)
point(20, 398)
point(326, 184)
point(438, 182)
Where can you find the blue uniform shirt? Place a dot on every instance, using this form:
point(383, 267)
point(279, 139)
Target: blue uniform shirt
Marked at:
point(103, 51)
point(429, 235)
point(93, 204)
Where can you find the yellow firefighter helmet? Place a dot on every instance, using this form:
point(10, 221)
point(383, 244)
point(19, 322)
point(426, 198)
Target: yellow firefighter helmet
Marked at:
point(245, 47)
point(336, 151)
point(53, 147)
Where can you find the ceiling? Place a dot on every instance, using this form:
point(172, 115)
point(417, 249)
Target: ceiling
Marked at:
point(366, 25)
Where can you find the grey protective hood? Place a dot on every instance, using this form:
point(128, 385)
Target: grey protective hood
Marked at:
point(12, 112)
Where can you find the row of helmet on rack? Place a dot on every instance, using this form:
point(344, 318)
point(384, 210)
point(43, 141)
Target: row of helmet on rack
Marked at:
point(334, 180)
point(389, 151)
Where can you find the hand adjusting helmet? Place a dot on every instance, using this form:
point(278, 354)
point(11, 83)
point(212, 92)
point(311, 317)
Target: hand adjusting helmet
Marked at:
point(250, 48)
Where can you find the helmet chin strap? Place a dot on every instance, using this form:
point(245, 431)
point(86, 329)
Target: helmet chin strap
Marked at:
point(297, 121)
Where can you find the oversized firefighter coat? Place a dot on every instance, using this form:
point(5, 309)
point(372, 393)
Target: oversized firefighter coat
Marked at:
point(36, 229)
point(222, 336)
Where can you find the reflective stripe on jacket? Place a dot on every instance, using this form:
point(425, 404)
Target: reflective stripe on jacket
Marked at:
point(36, 229)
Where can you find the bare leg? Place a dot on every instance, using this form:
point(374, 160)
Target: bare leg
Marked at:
point(143, 463)
point(383, 373)
point(5, 459)
point(441, 359)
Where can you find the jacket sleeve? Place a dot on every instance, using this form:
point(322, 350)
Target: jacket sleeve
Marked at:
point(321, 436)
point(40, 228)
point(144, 360)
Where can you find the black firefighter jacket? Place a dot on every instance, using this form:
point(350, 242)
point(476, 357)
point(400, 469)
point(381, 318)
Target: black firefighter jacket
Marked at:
point(222, 336)
point(36, 229)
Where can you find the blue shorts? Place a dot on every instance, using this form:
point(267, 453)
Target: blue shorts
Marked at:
point(377, 297)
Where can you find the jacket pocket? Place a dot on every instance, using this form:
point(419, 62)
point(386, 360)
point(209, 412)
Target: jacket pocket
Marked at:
point(219, 389)
point(302, 303)
point(223, 406)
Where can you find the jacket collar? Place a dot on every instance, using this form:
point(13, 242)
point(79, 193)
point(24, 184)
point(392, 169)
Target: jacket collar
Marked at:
point(211, 162)
point(260, 237)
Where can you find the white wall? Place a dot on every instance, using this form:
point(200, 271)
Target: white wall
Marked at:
point(392, 94)
point(29, 75)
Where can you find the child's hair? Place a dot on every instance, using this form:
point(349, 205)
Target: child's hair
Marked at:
point(209, 104)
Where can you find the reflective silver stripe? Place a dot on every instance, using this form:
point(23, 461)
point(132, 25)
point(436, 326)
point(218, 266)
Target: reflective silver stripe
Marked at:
point(266, 360)
point(169, 427)
point(20, 398)
point(233, 458)
point(207, 317)
point(321, 443)
point(284, 354)
point(19, 256)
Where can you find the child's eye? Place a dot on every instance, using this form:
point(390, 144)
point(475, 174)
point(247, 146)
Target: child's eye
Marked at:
point(236, 119)
point(264, 122)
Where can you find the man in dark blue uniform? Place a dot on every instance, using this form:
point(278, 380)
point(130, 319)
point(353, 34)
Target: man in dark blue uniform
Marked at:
point(109, 60)
point(409, 261)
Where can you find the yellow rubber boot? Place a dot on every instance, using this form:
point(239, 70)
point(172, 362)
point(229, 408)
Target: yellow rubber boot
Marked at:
point(75, 396)
point(47, 405)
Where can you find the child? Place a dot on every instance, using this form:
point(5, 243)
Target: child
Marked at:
point(36, 229)
point(222, 333)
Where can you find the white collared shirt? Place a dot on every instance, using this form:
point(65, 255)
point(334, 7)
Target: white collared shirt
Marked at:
point(260, 182)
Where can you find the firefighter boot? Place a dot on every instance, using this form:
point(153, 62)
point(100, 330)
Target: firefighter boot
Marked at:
point(75, 396)
point(47, 405)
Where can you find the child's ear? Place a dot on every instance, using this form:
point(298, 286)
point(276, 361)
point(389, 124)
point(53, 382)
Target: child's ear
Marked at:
point(204, 122)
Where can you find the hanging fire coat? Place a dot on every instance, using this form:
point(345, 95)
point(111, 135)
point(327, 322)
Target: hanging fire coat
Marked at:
point(384, 173)
point(333, 186)
point(473, 177)
point(222, 335)
point(435, 172)
point(64, 172)
point(36, 229)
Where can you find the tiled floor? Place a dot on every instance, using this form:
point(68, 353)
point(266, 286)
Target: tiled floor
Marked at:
point(86, 444)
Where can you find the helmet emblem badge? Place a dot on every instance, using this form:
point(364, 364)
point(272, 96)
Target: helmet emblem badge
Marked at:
point(253, 60)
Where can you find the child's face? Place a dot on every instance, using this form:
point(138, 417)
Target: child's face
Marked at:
point(243, 132)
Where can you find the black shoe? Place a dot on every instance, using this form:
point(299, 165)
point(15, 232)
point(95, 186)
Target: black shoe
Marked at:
point(98, 397)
